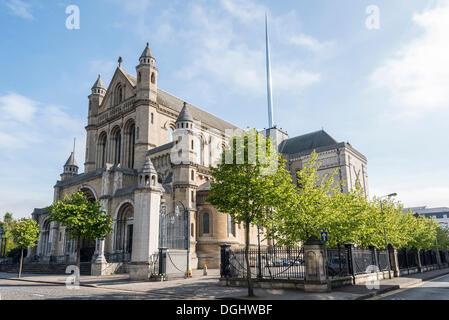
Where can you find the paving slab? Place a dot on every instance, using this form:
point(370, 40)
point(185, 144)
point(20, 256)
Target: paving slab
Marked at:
point(208, 287)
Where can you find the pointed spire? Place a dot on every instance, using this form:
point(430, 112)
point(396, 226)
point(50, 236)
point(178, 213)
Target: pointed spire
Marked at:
point(269, 88)
point(184, 115)
point(98, 83)
point(147, 52)
point(71, 160)
point(148, 166)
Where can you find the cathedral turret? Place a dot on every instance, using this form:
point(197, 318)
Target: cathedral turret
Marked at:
point(147, 75)
point(184, 137)
point(70, 168)
point(96, 97)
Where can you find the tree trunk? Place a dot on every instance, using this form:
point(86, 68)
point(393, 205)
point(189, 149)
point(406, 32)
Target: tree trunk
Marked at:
point(78, 253)
point(21, 261)
point(248, 268)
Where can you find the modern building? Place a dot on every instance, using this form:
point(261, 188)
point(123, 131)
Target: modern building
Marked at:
point(441, 214)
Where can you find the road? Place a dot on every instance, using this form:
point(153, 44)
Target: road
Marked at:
point(24, 290)
point(435, 289)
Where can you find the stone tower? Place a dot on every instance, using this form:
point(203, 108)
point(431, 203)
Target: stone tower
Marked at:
point(146, 103)
point(185, 169)
point(147, 201)
point(70, 168)
point(95, 100)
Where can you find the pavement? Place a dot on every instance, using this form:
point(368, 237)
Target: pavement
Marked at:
point(207, 287)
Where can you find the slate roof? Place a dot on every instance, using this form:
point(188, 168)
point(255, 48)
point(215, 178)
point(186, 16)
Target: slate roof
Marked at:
point(205, 186)
point(71, 161)
point(160, 148)
point(98, 83)
point(306, 142)
point(184, 115)
point(177, 104)
point(147, 52)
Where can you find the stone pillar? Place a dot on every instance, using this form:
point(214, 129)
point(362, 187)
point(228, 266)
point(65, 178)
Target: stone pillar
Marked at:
point(316, 279)
point(394, 263)
point(99, 263)
point(374, 253)
point(350, 251)
point(146, 231)
point(53, 238)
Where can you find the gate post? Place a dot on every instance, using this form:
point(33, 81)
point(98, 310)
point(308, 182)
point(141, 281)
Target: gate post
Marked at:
point(394, 263)
point(374, 254)
point(316, 279)
point(162, 263)
point(224, 263)
point(350, 253)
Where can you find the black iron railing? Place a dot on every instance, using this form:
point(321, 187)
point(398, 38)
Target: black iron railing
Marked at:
point(274, 263)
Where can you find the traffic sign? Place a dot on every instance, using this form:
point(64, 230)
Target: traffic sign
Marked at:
point(324, 236)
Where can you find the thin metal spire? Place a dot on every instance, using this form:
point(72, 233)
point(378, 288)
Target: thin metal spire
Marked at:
point(74, 141)
point(269, 89)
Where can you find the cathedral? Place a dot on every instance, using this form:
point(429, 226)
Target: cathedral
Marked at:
point(147, 161)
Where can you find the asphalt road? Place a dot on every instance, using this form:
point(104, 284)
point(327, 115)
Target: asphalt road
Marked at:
point(435, 289)
point(24, 290)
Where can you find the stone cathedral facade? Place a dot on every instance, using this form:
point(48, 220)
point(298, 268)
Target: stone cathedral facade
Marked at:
point(147, 150)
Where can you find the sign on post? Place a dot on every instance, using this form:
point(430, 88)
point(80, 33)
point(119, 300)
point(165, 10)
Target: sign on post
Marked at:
point(323, 236)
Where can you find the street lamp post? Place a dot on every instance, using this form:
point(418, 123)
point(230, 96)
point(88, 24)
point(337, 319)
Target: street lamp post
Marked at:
point(385, 231)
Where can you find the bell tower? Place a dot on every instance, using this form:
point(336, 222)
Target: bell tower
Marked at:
point(147, 76)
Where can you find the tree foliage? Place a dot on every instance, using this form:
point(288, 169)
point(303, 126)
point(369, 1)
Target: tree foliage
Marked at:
point(349, 216)
point(83, 219)
point(249, 182)
point(26, 235)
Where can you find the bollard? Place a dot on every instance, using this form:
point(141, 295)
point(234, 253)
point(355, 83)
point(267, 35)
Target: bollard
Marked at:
point(205, 270)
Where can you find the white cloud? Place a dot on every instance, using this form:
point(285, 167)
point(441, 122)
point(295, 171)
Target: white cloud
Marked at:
point(223, 53)
point(20, 9)
point(25, 122)
point(310, 43)
point(17, 108)
point(418, 73)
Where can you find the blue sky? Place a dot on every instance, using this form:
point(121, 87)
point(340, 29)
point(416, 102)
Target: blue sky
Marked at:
point(383, 90)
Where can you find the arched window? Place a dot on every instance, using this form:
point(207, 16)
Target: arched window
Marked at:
point(116, 145)
point(206, 223)
point(124, 230)
point(192, 175)
point(170, 134)
point(101, 150)
point(130, 141)
point(139, 77)
point(152, 118)
point(153, 78)
point(119, 95)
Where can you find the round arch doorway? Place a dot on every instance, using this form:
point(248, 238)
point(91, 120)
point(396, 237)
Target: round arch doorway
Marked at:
point(123, 231)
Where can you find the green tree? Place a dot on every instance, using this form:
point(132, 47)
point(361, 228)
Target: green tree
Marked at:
point(250, 181)
point(83, 219)
point(306, 209)
point(8, 224)
point(26, 235)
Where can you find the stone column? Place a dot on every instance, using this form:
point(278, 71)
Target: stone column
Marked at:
point(146, 231)
point(53, 238)
point(394, 263)
point(316, 279)
point(99, 263)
